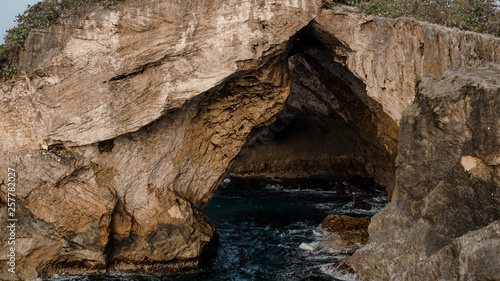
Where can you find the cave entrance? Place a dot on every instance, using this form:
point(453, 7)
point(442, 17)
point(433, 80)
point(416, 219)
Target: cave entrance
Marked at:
point(329, 128)
point(329, 144)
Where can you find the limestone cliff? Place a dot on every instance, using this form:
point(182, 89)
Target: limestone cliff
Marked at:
point(373, 65)
point(443, 221)
point(128, 117)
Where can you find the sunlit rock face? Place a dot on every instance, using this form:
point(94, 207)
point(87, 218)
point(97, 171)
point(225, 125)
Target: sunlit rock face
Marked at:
point(126, 121)
point(127, 118)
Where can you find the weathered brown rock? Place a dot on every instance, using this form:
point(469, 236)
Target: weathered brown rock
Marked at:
point(380, 60)
point(348, 234)
point(328, 128)
point(132, 202)
point(338, 223)
point(160, 53)
point(443, 221)
point(390, 55)
point(345, 242)
point(127, 118)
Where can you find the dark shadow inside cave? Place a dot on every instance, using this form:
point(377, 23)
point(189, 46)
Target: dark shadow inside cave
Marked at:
point(329, 128)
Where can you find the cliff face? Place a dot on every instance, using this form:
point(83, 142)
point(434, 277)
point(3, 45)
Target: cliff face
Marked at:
point(128, 118)
point(379, 62)
point(443, 221)
point(108, 72)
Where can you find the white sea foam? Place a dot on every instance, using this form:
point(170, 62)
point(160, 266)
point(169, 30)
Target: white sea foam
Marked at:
point(65, 277)
point(309, 191)
point(297, 231)
point(320, 257)
point(273, 187)
point(331, 270)
point(379, 199)
point(320, 233)
point(362, 212)
point(327, 206)
point(309, 246)
point(347, 209)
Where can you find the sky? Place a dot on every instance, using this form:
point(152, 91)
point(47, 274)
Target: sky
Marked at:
point(8, 12)
point(11, 8)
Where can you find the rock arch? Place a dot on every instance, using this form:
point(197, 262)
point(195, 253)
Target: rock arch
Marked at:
point(156, 178)
point(329, 125)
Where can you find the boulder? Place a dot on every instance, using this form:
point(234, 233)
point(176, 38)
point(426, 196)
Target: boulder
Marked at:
point(347, 234)
point(340, 223)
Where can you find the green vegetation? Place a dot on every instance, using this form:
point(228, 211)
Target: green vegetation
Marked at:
point(474, 15)
point(40, 15)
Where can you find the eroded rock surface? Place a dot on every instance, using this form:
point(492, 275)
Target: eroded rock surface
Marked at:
point(329, 128)
point(107, 72)
point(442, 223)
point(151, 220)
point(128, 117)
point(113, 167)
point(347, 234)
point(347, 98)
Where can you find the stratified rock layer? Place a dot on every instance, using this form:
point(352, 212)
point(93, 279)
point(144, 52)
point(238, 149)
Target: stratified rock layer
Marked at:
point(443, 221)
point(107, 72)
point(352, 98)
point(329, 127)
point(127, 118)
point(125, 124)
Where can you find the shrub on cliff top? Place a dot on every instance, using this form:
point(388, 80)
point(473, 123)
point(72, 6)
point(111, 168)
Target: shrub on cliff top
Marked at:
point(474, 15)
point(40, 15)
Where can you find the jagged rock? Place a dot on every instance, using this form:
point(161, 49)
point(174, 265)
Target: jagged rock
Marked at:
point(388, 56)
point(160, 53)
point(443, 221)
point(148, 130)
point(344, 243)
point(127, 118)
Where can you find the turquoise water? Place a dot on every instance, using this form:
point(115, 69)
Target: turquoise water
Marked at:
point(267, 232)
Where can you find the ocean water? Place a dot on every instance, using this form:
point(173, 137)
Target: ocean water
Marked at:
point(267, 232)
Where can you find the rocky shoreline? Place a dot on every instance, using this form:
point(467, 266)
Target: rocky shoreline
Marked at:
point(126, 119)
